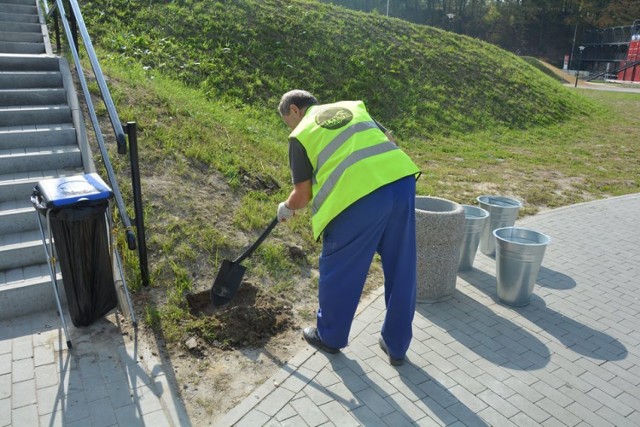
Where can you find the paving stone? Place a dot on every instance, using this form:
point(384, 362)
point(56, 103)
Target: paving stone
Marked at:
point(43, 355)
point(292, 422)
point(588, 415)
point(287, 412)
point(25, 416)
point(375, 402)
point(23, 394)
point(366, 416)
point(607, 400)
point(5, 410)
point(75, 407)
point(147, 399)
point(338, 414)
point(129, 416)
point(442, 395)
point(5, 363)
point(316, 393)
point(5, 345)
point(351, 380)
point(53, 419)
point(102, 413)
point(309, 412)
point(46, 375)
point(466, 381)
point(5, 386)
point(521, 419)
point(22, 348)
point(403, 405)
point(497, 402)
point(298, 380)
point(275, 401)
point(558, 412)
point(156, 419)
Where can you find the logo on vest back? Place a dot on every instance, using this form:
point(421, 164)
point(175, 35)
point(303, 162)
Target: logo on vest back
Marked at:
point(334, 118)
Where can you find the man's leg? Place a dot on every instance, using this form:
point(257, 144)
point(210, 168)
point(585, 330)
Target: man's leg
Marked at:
point(349, 242)
point(398, 252)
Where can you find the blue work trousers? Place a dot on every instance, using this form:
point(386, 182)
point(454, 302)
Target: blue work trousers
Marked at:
point(383, 221)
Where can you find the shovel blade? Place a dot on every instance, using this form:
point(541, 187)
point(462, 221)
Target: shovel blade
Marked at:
point(226, 283)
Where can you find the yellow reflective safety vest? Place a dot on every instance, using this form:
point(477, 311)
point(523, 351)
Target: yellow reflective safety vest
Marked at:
point(350, 155)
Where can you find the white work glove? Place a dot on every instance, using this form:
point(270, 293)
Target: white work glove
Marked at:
point(284, 213)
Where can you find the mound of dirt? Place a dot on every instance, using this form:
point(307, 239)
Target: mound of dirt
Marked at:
point(249, 320)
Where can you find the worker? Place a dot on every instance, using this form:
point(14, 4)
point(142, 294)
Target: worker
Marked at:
point(362, 192)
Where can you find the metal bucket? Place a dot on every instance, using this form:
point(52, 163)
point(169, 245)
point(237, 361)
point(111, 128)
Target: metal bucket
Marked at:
point(475, 220)
point(519, 253)
point(503, 212)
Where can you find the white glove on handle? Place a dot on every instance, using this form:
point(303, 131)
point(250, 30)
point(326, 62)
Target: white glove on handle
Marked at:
point(284, 213)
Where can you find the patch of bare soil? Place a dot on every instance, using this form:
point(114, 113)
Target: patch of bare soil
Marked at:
point(249, 320)
point(255, 335)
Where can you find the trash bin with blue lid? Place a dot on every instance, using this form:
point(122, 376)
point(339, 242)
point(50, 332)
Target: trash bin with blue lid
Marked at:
point(75, 209)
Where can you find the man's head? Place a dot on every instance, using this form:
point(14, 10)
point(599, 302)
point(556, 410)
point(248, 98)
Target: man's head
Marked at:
point(294, 104)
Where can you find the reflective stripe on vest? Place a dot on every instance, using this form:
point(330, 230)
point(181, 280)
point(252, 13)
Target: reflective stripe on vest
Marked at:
point(337, 142)
point(353, 158)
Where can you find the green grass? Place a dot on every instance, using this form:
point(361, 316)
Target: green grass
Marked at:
point(419, 80)
point(477, 120)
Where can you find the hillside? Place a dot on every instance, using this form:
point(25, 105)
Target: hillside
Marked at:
point(419, 80)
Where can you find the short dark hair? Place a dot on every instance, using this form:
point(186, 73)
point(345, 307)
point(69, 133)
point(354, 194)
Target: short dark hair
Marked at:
point(300, 98)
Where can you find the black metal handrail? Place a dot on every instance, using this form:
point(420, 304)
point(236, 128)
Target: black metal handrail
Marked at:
point(77, 23)
point(616, 71)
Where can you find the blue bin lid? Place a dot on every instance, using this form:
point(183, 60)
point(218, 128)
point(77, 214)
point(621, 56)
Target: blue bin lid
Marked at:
point(65, 191)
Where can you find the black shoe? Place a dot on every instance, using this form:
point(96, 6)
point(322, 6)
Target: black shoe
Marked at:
point(392, 360)
point(311, 336)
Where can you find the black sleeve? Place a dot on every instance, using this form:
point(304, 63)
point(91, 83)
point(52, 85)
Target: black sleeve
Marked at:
point(301, 169)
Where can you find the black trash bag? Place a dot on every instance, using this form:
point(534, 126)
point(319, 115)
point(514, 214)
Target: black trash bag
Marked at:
point(81, 242)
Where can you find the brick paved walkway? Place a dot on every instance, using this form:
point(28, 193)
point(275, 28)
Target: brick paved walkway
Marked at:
point(105, 380)
point(571, 357)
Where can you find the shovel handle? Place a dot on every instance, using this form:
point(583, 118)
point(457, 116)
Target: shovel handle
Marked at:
point(255, 245)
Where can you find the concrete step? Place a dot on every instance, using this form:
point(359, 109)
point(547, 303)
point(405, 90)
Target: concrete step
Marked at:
point(20, 47)
point(29, 291)
point(37, 136)
point(21, 248)
point(29, 63)
point(7, 16)
point(30, 79)
point(34, 114)
point(21, 27)
point(17, 215)
point(20, 185)
point(19, 8)
point(20, 2)
point(6, 36)
point(17, 160)
point(50, 96)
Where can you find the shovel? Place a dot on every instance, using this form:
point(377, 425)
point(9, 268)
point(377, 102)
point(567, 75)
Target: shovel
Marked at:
point(230, 274)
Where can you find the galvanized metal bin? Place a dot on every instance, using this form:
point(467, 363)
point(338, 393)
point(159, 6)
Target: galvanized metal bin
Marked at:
point(503, 212)
point(475, 220)
point(519, 254)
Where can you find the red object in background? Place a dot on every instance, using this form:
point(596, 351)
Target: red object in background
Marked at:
point(633, 55)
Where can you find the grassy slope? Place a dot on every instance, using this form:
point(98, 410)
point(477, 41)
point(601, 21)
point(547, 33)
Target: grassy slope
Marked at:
point(475, 118)
point(418, 80)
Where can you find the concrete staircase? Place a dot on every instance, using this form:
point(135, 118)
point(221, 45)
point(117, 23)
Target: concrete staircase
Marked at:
point(42, 135)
